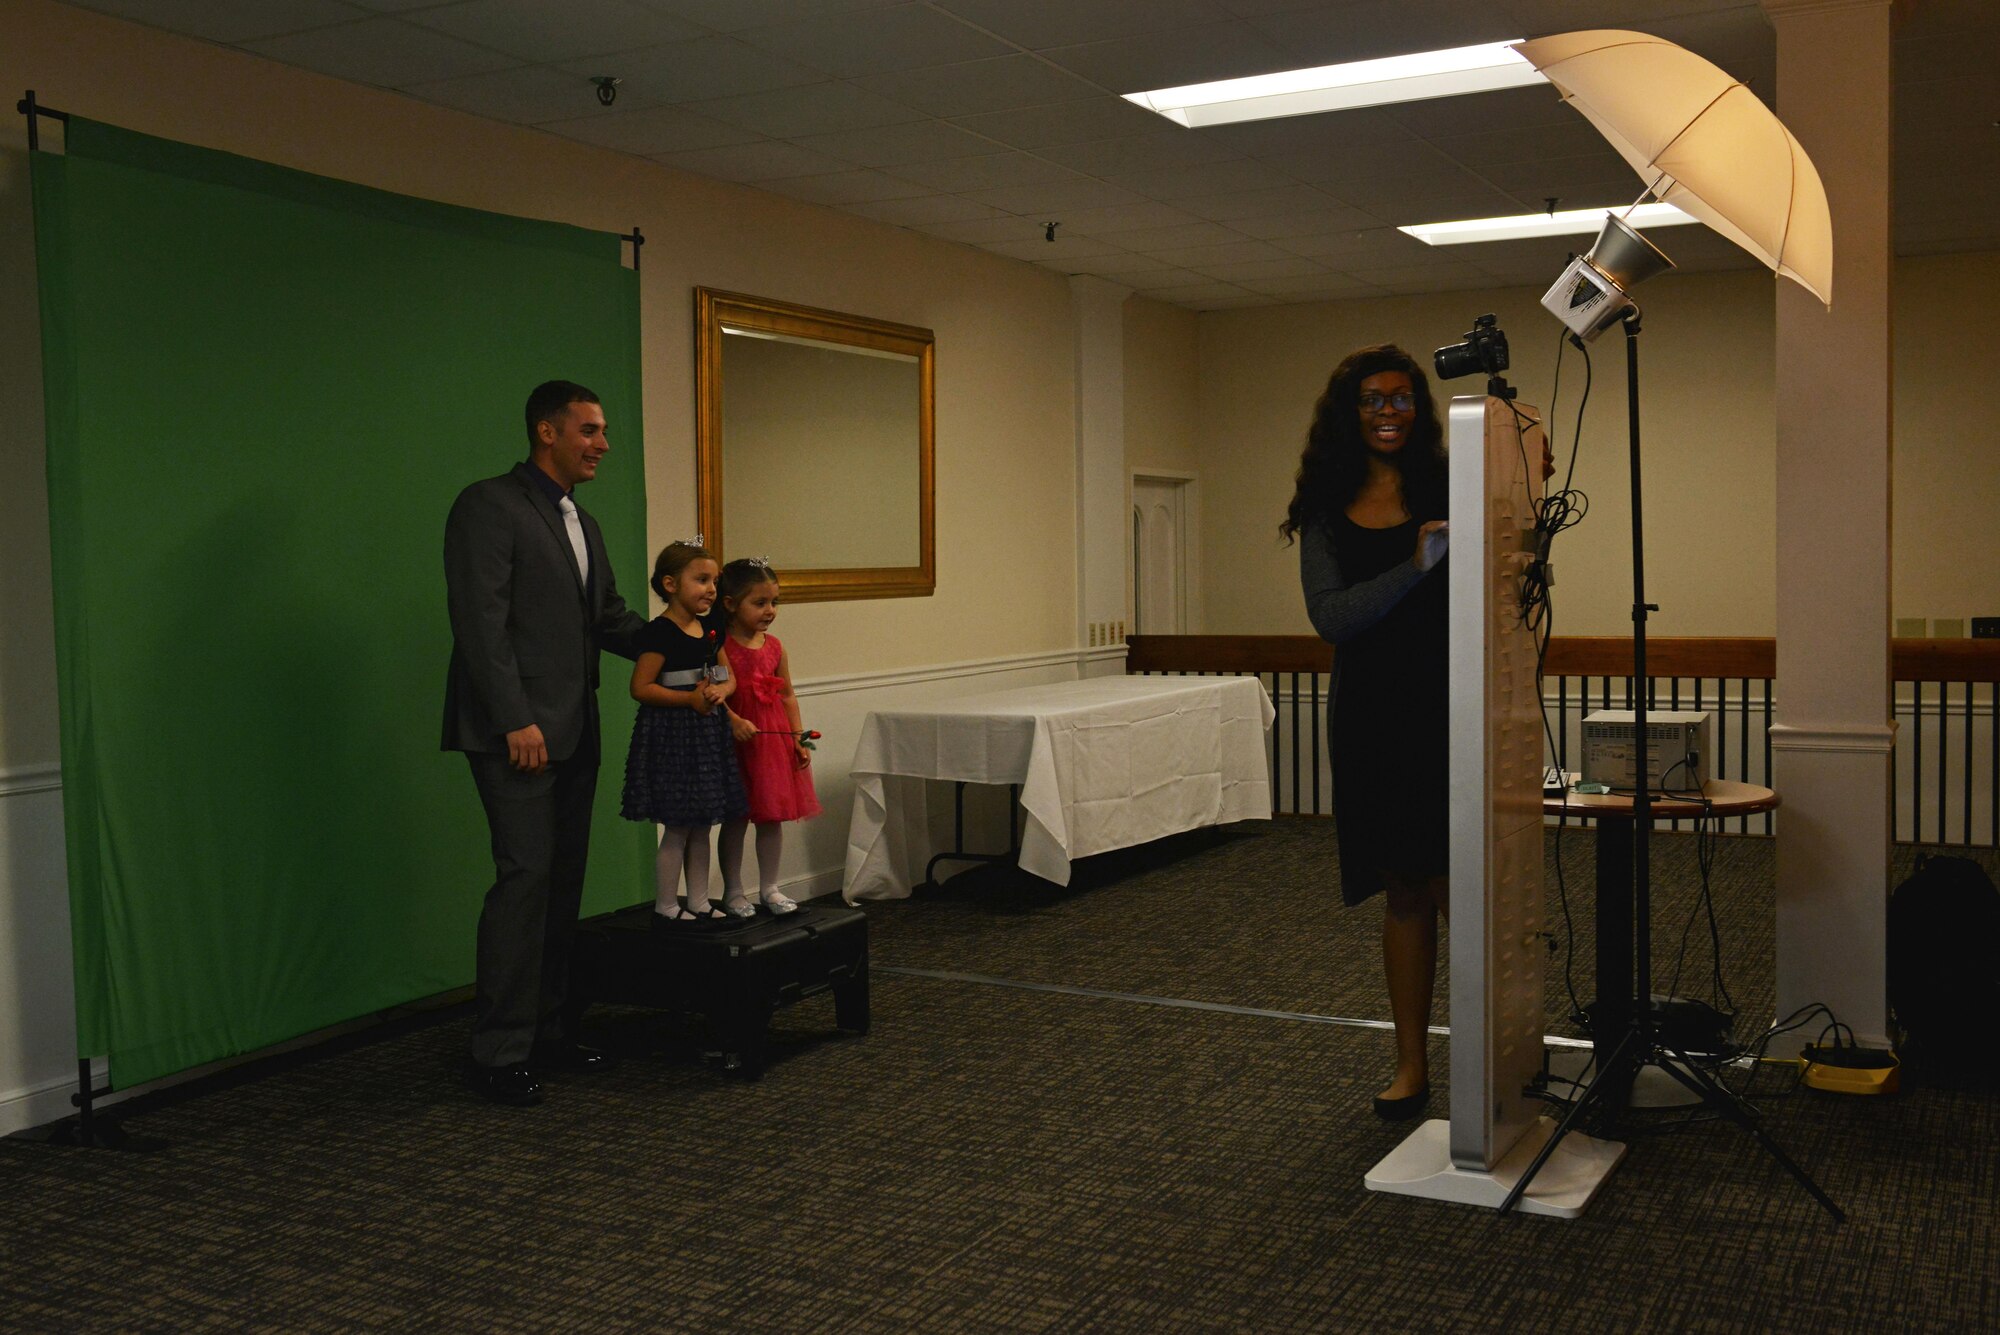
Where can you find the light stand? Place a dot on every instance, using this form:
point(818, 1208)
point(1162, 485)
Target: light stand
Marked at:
point(1592, 294)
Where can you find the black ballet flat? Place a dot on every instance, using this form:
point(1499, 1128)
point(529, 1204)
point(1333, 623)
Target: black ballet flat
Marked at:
point(1403, 1109)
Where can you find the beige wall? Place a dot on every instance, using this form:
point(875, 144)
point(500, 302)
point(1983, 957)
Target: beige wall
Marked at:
point(1005, 406)
point(1708, 429)
point(1162, 372)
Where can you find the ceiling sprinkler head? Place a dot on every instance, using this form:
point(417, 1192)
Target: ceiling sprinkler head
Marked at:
point(1049, 231)
point(607, 88)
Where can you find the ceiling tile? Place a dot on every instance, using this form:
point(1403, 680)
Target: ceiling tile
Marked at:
point(763, 160)
point(1314, 287)
point(650, 131)
point(1063, 248)
point(1171, 57)
point(1147, 279)
point(845, 188)
point(1038, 24)
point(1125, 218)
point(818, 108)
point(231, 20)
point(1380, 247)
point(1129, 262)
point(1436, 276)
point(1180, 235)
point(1311, 222)
point(691, 71)
point(524, 95)
point(875, 40)
point(387, 53)
point(1289, 266)
point(1231, 205)
point(734, 15)
point(1371, 29)
point(535, 31)
point(1207, 178)
point(980, 231)
point(1049, 199)
point(1066, 123)
point(988, 172)
point(1139, 152)
point(895, 145)
point(1235, 252)
point(1483, 149)
point(925, 209)
point(967, 89)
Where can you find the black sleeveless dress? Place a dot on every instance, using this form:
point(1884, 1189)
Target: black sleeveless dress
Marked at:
point(1389, 733)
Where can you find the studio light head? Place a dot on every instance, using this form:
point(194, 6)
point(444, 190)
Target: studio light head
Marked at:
point(1484, 349)
point(1594, 293)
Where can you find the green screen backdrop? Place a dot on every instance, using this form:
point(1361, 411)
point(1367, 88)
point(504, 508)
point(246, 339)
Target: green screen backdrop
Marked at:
point(264, 390)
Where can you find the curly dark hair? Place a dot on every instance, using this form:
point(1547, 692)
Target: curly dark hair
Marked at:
point(1335, 461)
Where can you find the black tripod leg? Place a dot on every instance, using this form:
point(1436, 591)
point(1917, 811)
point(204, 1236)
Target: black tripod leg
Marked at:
point(1683, 1069)
point(1599, 1084)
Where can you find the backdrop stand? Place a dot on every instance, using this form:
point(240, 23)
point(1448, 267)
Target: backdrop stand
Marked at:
point(1640, 1045)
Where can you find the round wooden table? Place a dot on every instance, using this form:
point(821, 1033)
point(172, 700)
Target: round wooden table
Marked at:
point(1617, 942)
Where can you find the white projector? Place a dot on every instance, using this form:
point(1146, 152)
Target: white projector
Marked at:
point(1677, 742)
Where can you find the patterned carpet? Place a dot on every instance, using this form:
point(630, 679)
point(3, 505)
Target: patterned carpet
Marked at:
point(1000, 1158)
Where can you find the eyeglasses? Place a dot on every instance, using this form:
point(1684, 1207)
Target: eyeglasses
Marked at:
point(1402, 403)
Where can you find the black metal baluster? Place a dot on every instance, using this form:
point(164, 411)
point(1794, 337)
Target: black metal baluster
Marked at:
point(1917, 762)
point(1295, 744)
point(1944, 754)
point(1968, 763)
point(1316, 732)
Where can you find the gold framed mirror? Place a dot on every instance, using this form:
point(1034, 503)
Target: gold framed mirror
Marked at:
point(813, 438)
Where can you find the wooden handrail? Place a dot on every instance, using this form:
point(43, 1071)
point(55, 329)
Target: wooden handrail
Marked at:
point(1228, 653)
point(1568, 656)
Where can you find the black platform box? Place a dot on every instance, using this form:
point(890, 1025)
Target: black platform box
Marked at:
point(736, 976)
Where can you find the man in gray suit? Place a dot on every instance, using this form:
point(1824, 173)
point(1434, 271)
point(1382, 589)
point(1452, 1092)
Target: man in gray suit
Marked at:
point(532, 602)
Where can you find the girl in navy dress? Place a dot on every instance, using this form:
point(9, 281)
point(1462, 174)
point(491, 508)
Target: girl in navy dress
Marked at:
point(681, 771)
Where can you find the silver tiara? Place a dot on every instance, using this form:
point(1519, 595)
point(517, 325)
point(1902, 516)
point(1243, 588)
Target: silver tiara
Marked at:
point(695, 541)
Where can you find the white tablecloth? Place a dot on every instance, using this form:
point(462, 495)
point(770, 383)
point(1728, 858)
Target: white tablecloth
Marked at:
point(1103, 763)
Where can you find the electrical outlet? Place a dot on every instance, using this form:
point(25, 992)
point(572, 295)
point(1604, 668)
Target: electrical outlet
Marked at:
point(1986, 628)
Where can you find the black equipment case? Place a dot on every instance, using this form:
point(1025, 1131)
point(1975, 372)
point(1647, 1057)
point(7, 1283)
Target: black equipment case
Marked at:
point(735, 975)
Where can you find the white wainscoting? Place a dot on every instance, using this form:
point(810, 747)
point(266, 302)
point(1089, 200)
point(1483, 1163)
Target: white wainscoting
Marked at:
point(37, 989)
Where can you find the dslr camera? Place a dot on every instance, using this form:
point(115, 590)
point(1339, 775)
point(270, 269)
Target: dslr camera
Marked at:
point(1484, 349)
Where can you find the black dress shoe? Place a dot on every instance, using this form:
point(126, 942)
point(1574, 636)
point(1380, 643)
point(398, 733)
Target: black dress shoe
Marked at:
point(1403, 1109)
point(515, 1085)
point(571, 1056)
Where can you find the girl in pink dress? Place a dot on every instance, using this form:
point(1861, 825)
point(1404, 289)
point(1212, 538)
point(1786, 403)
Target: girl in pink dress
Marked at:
point(772, 745)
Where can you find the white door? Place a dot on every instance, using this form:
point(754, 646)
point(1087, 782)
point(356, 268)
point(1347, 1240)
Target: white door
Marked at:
point(1159, 556)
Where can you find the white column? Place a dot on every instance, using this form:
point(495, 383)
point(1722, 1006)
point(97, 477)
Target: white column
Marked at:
point(1835, 719)
point(1102, 530)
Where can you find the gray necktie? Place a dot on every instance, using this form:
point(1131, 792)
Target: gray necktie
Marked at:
point(577, 545)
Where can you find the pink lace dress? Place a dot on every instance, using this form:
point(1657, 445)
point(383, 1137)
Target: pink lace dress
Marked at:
point(779, 788)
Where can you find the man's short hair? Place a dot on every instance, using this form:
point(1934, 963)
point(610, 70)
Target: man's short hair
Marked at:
point(550, 400)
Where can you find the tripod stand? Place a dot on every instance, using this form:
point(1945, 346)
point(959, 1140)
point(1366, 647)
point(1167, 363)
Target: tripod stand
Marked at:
point(1641, 1044)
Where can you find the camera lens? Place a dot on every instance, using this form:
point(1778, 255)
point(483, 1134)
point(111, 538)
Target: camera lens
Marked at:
point(1457, 360)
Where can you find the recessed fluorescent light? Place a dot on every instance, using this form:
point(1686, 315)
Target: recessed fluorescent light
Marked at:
point(1566, 223)
point(1359, 83)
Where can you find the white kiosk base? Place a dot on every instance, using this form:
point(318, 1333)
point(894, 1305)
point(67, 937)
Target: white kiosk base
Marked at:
point(1421, 1166)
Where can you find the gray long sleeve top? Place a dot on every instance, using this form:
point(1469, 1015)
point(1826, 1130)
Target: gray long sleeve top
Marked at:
point(1340, 609)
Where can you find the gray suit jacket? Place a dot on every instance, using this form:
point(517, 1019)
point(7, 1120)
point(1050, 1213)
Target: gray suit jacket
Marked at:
point(525, 630)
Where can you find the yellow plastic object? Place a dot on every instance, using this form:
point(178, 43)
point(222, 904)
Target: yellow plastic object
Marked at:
point(1852, 1070)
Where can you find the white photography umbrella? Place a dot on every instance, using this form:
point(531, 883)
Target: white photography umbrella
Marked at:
point(1702, 141)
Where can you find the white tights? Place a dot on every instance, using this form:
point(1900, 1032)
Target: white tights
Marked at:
point(681, 848)
point(770, 843)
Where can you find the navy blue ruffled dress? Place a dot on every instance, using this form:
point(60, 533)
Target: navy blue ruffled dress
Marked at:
point(681, 768)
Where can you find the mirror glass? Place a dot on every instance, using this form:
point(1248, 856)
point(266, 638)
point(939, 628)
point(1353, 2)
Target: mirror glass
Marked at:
point(814, 446)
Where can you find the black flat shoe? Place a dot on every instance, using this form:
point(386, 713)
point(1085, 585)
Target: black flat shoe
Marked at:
point(571, 1056)
point(512, 1085)
point(1403, 1109)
